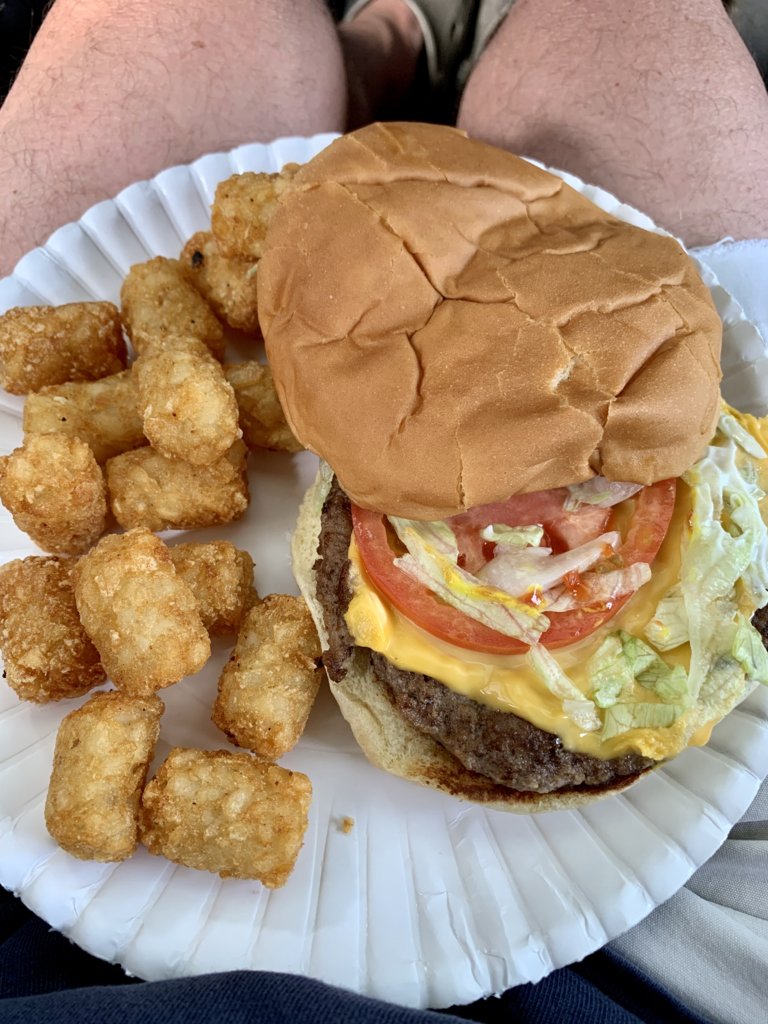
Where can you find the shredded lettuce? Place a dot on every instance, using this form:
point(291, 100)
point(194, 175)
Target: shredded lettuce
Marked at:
point(749, 651)
point(669, 626)
point(623, 660)
point(724, 679)
point(668, 682)
point(727, 546)
point(576, 706)
point(639, 715)
point(436, 534)
point(610, 673)
point(640, 657)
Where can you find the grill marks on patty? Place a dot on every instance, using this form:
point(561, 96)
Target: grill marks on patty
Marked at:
point(496, 744)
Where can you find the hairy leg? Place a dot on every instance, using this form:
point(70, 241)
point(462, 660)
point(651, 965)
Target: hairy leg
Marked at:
point(659, 102)
point(113, 92)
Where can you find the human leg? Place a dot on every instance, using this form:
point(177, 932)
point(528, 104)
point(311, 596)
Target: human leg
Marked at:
point(659, 102)
point(112, 92)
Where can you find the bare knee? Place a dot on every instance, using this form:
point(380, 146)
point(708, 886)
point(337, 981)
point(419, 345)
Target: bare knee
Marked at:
point(659, 103)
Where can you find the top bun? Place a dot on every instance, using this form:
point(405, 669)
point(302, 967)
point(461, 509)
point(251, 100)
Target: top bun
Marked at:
point(449, 325)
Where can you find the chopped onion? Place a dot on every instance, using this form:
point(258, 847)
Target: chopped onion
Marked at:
point(598, 588)
point(519, 572)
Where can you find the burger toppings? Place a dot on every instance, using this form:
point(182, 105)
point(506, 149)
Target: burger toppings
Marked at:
point(432, 561)
point(698, 648)
point(481, 595)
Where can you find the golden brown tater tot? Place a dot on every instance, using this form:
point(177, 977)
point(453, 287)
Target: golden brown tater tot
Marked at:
point(188, 407)
point(269, 684)
point(221, 578)
point(46, 652)
point(139, 613)
point(227, 285)
point(262, 420)
point(43, 345)
point(228, 813)
point(147, 489)
point(103, 413)
point(242, 209)
point(54, 489)
point(158, 302)
point(103, 752)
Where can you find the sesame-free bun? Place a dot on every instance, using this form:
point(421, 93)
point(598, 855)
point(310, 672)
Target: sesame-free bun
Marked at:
point(448, 324)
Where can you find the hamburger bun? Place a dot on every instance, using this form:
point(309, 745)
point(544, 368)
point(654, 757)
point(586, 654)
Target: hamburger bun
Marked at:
point(449, 325)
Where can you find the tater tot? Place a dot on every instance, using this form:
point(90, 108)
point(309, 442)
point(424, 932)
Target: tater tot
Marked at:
point(103, 413)
point(158, 302)
point(141, 616)
point(54, 489)
point(148, 489)
point(103, 752)
point(262, 420)
point(242, 209)
point(188, 406)
point(227, 285)
point(228, 813)
point(47, 653)
point(269, 684)
point(42, 345)
point(221, 578)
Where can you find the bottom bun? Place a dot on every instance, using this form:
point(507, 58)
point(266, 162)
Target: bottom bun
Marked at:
point(385, 737)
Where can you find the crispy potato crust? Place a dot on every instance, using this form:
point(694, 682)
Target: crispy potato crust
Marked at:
point(103, 751)
point(141, 616)
point(158, 302)
point(242, 209)
point(227, 813)
point(103, 413)
point(43, 345)
point(188, 408)
point(47, 653)
point(227, 285)
point(262, 420)
point(221, 578)
point(269, 685)
point(55, 491)
point(147, 489)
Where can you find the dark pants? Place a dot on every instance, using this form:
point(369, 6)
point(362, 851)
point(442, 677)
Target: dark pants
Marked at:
point(45, 979)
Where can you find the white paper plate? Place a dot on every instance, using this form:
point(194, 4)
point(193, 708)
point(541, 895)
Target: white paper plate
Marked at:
point(427, 901)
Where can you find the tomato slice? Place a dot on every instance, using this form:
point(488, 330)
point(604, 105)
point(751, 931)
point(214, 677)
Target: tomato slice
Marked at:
point(652, 512)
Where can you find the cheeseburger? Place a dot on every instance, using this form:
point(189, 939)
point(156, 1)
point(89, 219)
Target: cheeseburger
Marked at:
point(536, 544)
